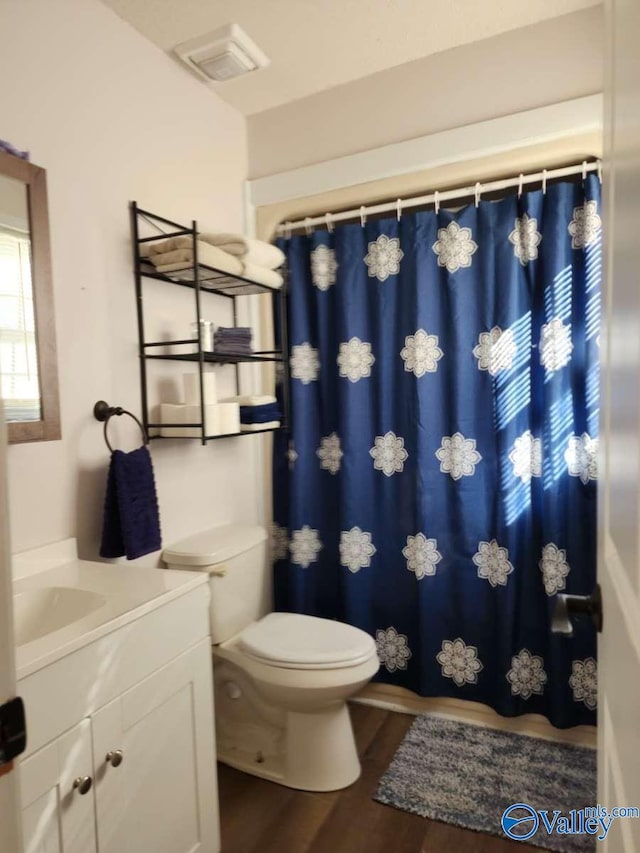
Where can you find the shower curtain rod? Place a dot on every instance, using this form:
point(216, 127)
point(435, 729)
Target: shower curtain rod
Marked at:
point(328, 219)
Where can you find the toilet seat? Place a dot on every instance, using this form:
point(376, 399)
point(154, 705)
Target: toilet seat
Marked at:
point(296, 641)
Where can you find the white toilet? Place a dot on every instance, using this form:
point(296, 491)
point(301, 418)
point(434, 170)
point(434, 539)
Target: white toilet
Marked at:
point(281, 679)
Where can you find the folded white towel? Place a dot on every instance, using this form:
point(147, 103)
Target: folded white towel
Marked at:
point(251, 251)
point(172, 257)
point(207, 255)
point(270, 278)
point(251, 400)
point(149, 249)
point(258, 427)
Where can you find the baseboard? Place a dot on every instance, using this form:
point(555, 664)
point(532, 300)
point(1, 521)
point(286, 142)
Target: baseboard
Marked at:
point(392, 698)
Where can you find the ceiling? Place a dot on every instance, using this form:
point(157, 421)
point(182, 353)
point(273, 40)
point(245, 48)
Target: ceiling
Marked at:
point(317, 44)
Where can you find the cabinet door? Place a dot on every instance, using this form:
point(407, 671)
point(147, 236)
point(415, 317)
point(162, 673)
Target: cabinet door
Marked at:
point(162, 795)
point(56, 817)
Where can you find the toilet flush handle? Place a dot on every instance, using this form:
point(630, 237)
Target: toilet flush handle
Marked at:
point(217, 569)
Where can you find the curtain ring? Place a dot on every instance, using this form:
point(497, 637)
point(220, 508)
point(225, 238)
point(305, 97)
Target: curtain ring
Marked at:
point(520, 182)
point(477, 192)
point(584, 170)
point(307, 225)
point(287, 229)
point(436, 201)
point(399, 209)
point(363, 215)
point(544, 182)
point(329, 222)
point(600, 170)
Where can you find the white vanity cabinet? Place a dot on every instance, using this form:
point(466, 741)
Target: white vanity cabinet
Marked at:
point(161, 732)
point(121, 755)
point(55, 816)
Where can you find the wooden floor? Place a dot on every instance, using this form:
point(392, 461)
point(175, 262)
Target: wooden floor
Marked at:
point(257, 815)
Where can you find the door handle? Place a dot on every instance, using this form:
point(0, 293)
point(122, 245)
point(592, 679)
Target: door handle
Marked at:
point(570, 605)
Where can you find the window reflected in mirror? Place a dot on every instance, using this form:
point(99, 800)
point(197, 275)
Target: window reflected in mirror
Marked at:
point(19, 384)
point(28, 364)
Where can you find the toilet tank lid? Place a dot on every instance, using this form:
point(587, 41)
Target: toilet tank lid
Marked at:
point(216, 545)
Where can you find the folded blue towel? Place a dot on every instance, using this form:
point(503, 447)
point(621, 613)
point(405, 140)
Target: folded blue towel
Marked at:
point(260, 414)
point(131, 524)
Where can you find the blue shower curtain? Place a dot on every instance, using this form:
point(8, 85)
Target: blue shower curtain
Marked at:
point(438, 484)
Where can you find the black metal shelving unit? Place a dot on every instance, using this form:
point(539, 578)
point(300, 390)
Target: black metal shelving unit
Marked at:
point(202, 279)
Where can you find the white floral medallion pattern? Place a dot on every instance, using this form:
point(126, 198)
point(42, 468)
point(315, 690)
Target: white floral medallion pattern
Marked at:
point(526, 457)
point(555, 345)
point(330, 453)
point(459, 662)
point(305, 546)
point(454, 247)
point(585, 225)
point(421, 353)
point(292, 455)
point(388, 453)
point(581, 457)
point(584, 682)
point(279, 542)
point(304, 363)
point(393, 649)
point(525, 239)
point(495, 350)
point(527, 675)
point(356, 549)
point(458, 456)
point(422, 555)
point(355, 359)
point(493, 563)
point(383, 258)
point(554, 568)
point(323, 267)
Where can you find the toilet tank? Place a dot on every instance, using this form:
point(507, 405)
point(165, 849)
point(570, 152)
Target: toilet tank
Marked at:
point(236, 559)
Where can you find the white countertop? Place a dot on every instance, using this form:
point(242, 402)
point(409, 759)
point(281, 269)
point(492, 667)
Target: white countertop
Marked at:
point(130, 592)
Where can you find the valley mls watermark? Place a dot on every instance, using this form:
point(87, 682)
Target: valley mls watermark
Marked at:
point(521, 821)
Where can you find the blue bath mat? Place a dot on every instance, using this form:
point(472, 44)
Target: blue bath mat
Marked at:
point(468, 775)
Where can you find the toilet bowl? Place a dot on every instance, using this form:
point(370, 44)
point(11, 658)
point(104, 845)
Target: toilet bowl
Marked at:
point(281, 680)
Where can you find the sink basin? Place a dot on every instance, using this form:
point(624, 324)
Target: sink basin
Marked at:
point(40, 611)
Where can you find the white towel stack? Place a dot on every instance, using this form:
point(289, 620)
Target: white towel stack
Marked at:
point(231, 253)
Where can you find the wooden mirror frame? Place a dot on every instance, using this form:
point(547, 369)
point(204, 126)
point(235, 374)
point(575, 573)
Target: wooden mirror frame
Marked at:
point(35, 180)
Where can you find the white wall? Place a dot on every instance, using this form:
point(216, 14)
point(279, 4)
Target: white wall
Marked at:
point(112, 119)
point(554, 61)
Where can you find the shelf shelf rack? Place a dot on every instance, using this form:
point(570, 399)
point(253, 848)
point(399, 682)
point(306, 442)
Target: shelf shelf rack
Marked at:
point(200, 278)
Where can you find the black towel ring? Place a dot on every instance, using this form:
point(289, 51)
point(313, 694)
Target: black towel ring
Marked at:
point(103, 411)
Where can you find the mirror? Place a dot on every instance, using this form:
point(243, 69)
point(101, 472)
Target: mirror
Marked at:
point(28, 368)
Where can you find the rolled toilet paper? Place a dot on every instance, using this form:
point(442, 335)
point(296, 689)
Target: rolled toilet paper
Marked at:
point(172, 414)
point(229, 418)
point(191, 383)
point(211, 420)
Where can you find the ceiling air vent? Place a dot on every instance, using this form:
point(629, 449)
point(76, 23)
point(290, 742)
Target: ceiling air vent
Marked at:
point(222, 55)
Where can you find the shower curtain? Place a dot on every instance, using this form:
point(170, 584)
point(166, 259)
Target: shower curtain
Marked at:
point(438, 485)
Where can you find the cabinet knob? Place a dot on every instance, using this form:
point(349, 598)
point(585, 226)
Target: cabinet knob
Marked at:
point(82, 784)
point(115, 757)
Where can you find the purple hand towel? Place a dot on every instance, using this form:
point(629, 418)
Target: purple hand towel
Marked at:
point(131, 523)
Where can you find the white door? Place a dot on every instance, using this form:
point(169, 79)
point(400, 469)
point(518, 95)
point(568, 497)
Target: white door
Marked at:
point(619, 524)
point(10, 840)
point(57, 794)
point(154, 761)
